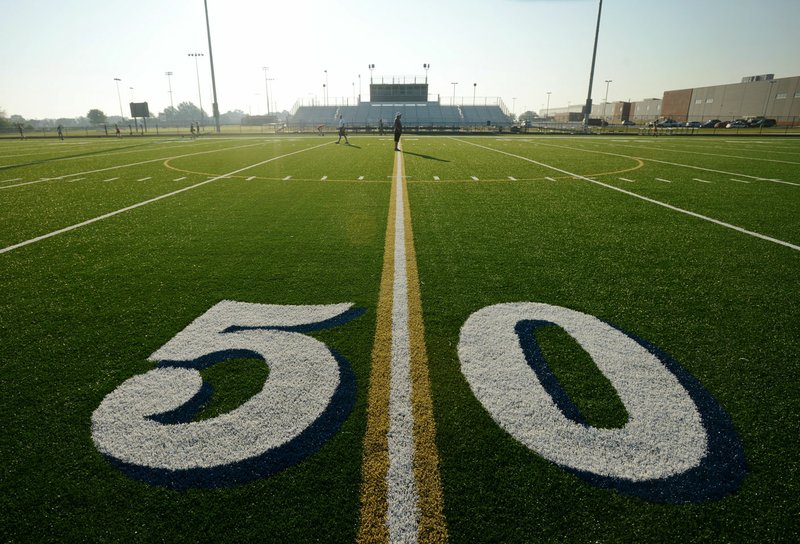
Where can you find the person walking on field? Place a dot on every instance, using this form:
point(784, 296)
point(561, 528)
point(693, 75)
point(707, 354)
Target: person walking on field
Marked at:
point(342, 131)
point(398, 131)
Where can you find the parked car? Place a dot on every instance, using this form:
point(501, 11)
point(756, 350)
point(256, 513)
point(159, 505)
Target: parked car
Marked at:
point(711, 123)
point(737, 124)
point(694, 124)
point(720, 124)
point(669, 123)
point(628, 123)
point(761, 122)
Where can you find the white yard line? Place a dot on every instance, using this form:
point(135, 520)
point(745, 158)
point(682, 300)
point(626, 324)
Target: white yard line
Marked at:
point(111, 179)
point(287, 178)
point(511, 178)
point(162, 159)
point(144, 179)
point(657, 179)
point(251, 178)
point(146, 202)
point(626, 179)
point(646, 199)
point(550, 179)
point(701, 180)
point(176, 179)
point(402, 497)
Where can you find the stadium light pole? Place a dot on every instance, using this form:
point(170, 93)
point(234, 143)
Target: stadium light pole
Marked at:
point(474, 89)
point(371, 68)
point(119, 97)
point(427, 67)
point(131, 88)
point(169, 82)
point(214, 105)
point(359, 87)
point(454, 83)
point(547, 111)
point(605, 102)
point(588, 107)
point(266, 86)
point(325, 87)
point(199, 94)
point(273, 98)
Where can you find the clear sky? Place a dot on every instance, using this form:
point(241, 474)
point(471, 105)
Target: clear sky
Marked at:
point(59, 58)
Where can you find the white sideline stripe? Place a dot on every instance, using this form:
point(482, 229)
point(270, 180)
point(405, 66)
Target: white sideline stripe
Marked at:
point(626, 179)
point(435, 178)
point(145, 202)
point(402, 496)
point(701, 180)
point(176, 179)
point(287, 178)
point(647, 199)
point(657, 179)
point(248, 179)
point(110, 179)
point(474, 178)
point(512, 178)
point(739, 180)
point(162, 159)
point(144, 179)
point(784, 182)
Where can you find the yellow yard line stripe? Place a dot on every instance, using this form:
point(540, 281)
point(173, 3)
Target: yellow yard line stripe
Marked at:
point(432, 526)
point(401, 494)
point(374, 503)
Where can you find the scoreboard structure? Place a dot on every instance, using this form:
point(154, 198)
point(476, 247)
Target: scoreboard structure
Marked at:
point(398, 93)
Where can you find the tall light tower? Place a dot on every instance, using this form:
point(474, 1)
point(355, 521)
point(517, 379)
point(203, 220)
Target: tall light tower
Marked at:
point(371, 68)
point(327, 89)
point(119, 97)
point(547, 111)
point(474, 89)
point(605, 102)
point(427, 67)
point(454, 83)
point(588, 106)
point(169, 81)
point(214, 105)
point(266, 85)
point(197, 71)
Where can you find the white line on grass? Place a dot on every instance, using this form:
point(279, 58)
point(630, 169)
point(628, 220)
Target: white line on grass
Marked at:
point(626, 179)
point(701, 180)
point(646, 199)
point(149, 201)
point(251, 178)
point(435, 178)
point(784, 182)
point(74, 180)
point(111, 179)
point(145, 179)
point(657, 179)
point(287, 178)
point(360, 178)
point(176, 179)
point(323, 178)
point(474, 178)
point(511, 178)
point(162, 159)
point(10, 180)
point(550, 179)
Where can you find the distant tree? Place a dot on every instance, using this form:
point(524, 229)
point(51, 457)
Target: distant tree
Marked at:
point(528, 116)
point(189, 112)
point(96, 117)
point(3, 121)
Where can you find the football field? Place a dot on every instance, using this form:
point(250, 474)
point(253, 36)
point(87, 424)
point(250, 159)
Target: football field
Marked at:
point(477, 339)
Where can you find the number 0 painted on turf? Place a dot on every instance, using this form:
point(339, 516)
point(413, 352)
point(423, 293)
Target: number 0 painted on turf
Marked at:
point(678, 444)
point(144, 425)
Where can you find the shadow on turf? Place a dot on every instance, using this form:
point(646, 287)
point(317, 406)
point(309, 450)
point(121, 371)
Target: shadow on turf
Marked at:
point(75, 156)
point(425, 156)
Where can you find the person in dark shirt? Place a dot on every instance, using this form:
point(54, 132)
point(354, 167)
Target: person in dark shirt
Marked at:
point(398, 131)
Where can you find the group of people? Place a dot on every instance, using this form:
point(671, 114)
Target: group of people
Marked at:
point(398, 130)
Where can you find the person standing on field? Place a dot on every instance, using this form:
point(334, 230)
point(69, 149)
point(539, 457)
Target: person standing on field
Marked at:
point(342, 131)
point(398, 131)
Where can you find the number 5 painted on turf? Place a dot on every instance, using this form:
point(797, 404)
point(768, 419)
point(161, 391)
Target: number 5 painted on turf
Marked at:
point(144, 426)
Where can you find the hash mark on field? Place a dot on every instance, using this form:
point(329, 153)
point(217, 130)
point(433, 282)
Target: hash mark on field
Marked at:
point(549, 179)
point(511, 178)
point(626, 179)
point(323, 178)
point(360, 178)
point(176, 179)
point(664, 180)
point(144, 179)
point(251, 178)
point(111, 179)
point(474, 178)
point(435, 178)
point(701, 180)
point(739, 180)
point(287, 178)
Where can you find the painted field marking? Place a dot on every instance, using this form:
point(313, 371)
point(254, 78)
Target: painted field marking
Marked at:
point(701, 180)
point(511, 178)
point(784, 182)
point(162, 159)
point(401, 493)
point(251, 178)
point(435, 178)
point(10, 180)
point(549, 179)
point(474, 178)
point(146, 202)
point(739, 180)
point(626, 179)
point(323, 178)
point(287, 178)
point(111, 179)
point(657, 179)
point(176, 179)
point(74, 180)
point(360, 178)
point(646, 199)
point(145, 179)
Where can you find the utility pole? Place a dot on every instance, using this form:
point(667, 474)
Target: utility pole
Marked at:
point(214, 106)
point(588, 107)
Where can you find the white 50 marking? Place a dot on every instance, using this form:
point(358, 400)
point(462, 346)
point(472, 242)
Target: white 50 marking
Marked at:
point(303, 378)
point(664, 435)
